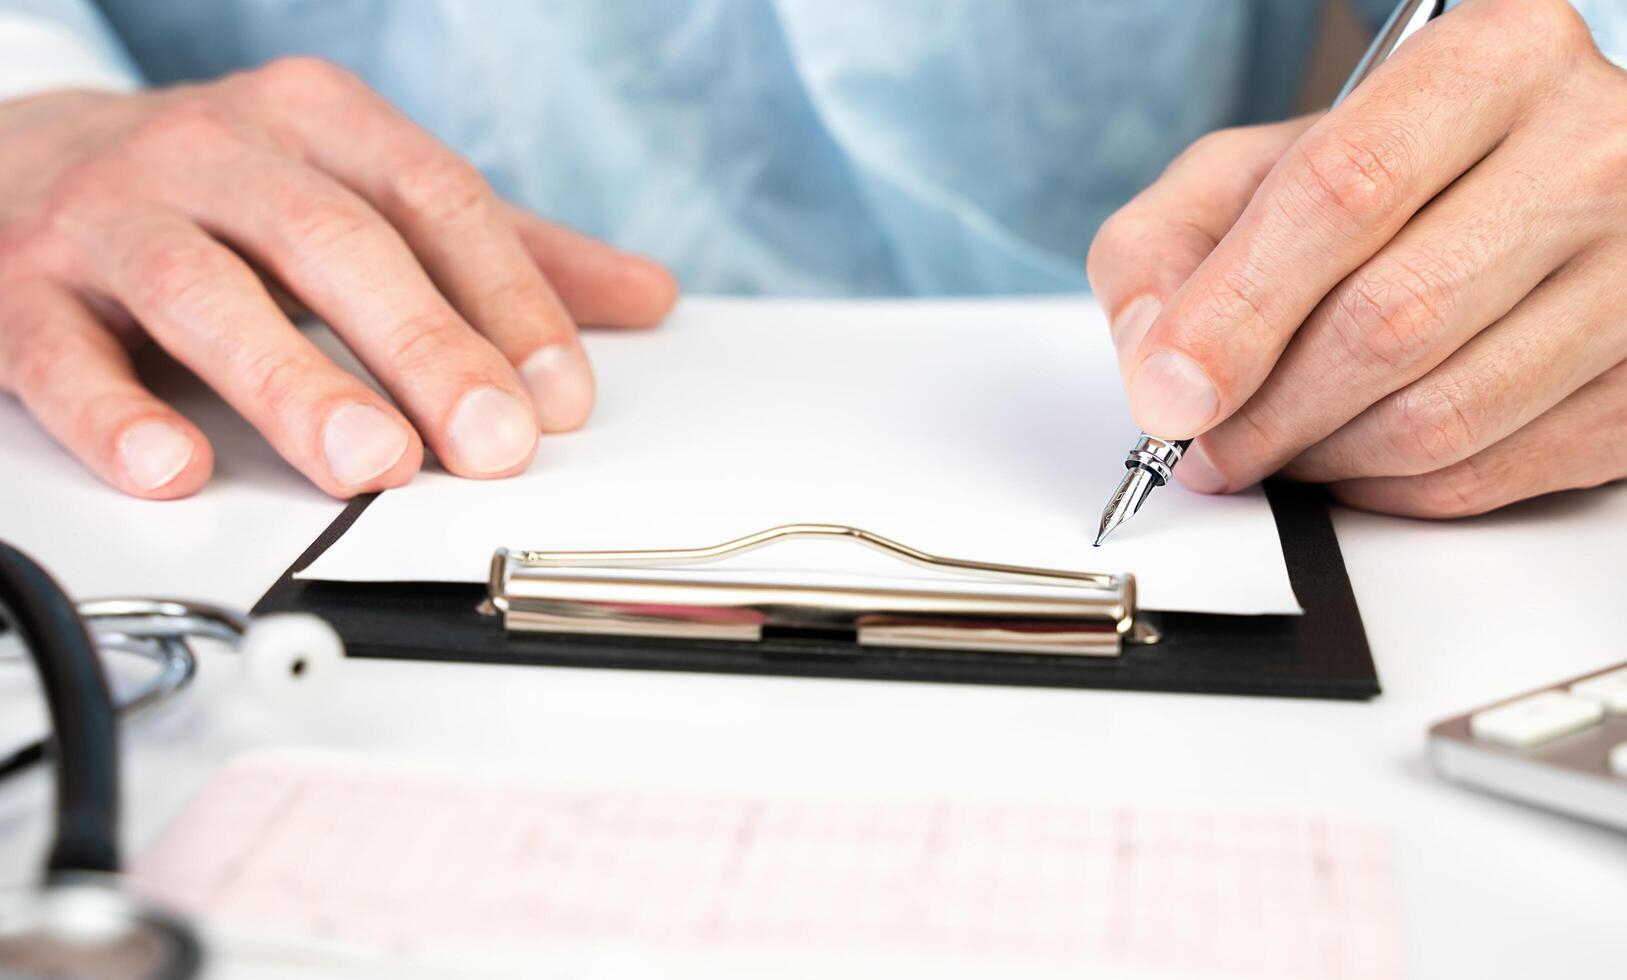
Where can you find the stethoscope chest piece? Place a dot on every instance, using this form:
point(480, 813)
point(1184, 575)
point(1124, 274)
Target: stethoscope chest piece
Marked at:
point(82, 926)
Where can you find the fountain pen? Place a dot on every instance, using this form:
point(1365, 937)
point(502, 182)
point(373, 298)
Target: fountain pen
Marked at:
point(1150, 463)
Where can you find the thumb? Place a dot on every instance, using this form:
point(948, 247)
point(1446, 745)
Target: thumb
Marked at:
point(1149, 247)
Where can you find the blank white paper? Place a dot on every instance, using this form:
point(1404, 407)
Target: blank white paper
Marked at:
point(992, 430)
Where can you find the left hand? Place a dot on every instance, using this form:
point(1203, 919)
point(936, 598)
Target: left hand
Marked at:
point(1419, 298)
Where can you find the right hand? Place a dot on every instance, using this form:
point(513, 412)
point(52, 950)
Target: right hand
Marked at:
point(157, 214)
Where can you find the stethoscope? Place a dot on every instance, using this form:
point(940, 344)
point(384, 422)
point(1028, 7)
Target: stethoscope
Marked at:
point(79, 922)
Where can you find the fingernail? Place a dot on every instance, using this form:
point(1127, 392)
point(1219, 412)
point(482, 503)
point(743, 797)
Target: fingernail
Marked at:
point(154, 453)
point(491, 431)
point(561, 386)
point(1196, 471)
point(361, 442)
point(1171, 396)
point(1133, 322)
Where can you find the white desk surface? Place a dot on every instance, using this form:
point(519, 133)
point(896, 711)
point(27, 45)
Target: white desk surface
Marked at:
point(1458, 614)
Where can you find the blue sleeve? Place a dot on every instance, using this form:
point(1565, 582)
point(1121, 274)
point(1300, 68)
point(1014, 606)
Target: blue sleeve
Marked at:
point(1373, 12)
point(85, 19)
point(1608, 18)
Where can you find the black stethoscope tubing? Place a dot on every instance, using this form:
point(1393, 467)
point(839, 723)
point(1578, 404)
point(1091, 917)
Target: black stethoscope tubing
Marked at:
point(84, 852)
point(81, 713)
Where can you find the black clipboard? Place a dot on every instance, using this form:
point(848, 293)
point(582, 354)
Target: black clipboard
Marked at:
point(1322, 653)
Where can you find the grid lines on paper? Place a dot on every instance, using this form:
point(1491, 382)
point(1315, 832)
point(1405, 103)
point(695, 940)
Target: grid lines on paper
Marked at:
point(400, 859)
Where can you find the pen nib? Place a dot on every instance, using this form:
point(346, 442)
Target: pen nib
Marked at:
point(1126, 500)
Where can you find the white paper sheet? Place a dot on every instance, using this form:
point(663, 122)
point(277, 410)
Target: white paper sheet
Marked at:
point(991, 430)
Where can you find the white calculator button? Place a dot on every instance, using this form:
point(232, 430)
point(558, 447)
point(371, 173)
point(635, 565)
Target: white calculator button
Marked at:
point(1618, 760)
point(1536, 719)
point(1609, 689)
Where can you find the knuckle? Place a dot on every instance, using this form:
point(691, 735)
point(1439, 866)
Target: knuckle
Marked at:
point(303, 78)
point(1600, 155)
point(424, 343)
point(72, 212)
point(1432, 426)
point(275, 381)
point(85, 188)
point(1391, 316)
point(1235, 299)
point(165, 274)
point(1560, 26)
point(1549, 32)
point(316, 222)
point(442, 188)
point(1613, 149)
point(521, 298)
point(1216, 144)
point(1352, 179)
point(192, 127)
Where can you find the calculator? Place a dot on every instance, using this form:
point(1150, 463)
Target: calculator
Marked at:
point(1563, 747)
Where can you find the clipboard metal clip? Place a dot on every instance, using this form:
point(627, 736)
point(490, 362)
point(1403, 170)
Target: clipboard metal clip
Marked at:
point(1064, 613)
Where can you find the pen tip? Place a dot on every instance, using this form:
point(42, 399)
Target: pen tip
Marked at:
point(1110, 520)
point(1126, 500)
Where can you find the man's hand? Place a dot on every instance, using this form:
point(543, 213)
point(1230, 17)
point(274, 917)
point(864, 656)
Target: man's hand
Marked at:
point(165, 214)
point(1419, 298)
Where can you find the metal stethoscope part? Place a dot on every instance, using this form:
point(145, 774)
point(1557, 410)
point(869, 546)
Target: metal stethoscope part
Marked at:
point(161, 631)
point(78, 921)
point(157, 630)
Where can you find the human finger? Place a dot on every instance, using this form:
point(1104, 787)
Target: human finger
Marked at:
point(454, 224)
point(206, 307)
point(351, 268)
point(1144, 252)
point(1559, 338)
point(1461, 264)
point(1344, 189)
point(1574, 445)
point(76, 379)
point(601, 286)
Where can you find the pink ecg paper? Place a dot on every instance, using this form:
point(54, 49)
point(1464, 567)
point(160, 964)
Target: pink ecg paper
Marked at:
point(397, 858)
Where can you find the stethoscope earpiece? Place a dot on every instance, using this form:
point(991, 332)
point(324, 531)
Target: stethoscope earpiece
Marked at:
point(290, 657)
